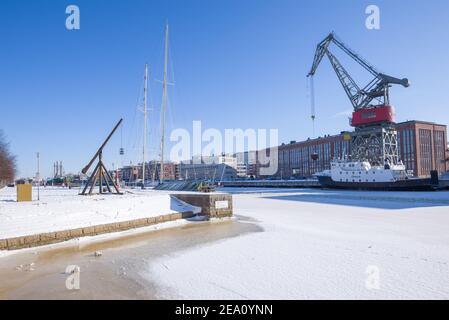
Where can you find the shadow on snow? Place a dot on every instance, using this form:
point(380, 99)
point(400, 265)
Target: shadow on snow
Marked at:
point(365, 199)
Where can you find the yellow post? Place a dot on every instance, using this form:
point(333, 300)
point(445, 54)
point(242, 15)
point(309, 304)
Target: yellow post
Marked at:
point(24, 192)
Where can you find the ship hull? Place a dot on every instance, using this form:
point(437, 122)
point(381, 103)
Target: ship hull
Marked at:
point(424, 184)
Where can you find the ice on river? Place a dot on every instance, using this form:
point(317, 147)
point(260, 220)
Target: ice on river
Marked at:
point(320, 245)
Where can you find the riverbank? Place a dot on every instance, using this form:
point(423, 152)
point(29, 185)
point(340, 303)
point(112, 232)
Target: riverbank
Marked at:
point(62, 214)
point(39, 273)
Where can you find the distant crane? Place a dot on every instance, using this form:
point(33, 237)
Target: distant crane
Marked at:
point(375, 139)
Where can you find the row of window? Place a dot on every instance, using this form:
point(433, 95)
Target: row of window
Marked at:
point(300, 162)
point(360, 180)
point(425, 146)
point(360, 172)
point(406, 146)
point(440, 150)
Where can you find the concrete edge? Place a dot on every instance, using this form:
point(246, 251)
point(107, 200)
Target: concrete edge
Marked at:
point(42, 239)
point(208, 203)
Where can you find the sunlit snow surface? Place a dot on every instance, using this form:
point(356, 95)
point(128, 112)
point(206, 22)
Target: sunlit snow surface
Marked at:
point(61, 209)
point(319, 245)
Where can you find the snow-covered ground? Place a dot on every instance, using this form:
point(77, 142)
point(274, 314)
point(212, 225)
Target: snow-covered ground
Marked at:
point(61, 209)
point(319, 244)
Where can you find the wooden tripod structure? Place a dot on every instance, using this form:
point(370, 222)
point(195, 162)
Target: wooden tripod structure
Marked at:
point(100, 172)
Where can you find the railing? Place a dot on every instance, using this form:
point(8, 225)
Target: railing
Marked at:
point(273, 183)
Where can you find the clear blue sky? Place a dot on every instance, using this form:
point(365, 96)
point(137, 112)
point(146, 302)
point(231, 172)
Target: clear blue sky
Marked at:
point(235, 64)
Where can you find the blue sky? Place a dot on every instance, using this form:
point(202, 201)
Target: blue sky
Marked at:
point(235, 64)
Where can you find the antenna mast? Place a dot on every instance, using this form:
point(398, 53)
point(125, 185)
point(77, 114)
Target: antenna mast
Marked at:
point(164, 105)
point(145, 93)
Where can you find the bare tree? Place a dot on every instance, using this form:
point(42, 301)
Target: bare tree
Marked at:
point(7, 162)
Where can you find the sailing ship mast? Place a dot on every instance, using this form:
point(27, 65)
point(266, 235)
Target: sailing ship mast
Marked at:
point(164, 106)
point(145, 94)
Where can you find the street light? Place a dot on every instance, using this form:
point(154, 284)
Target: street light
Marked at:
point(38, 177)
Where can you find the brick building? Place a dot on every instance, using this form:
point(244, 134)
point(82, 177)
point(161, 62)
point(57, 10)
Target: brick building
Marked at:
point(133, 173)
point(422, 147)
point(295, 158)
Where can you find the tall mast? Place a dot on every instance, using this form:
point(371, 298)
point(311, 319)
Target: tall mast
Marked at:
point(164, 105)
point(145, 93)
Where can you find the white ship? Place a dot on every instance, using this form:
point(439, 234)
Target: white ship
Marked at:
point(361, 175)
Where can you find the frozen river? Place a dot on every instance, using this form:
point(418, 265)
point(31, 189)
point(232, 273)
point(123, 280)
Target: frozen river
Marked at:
point(283, 244)
point(116, 274)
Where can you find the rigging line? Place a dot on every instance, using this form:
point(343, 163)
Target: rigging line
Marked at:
point(137, 137)
point(170, 60)
point(160, 56)
point(153, 124)
point(171, 110)
point(222, 173)
point(132, 135)
point(170, 99)
point(170, 96)
point(137, 142)
point(170, 113)
point(150, 95)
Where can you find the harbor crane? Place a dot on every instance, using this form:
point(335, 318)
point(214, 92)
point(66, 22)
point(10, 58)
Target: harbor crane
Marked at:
point(374, 139)
point(361, 98)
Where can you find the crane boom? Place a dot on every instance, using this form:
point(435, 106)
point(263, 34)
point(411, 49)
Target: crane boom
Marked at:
point(361, 98)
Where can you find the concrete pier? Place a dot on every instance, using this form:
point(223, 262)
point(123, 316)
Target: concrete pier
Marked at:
point(213, 205)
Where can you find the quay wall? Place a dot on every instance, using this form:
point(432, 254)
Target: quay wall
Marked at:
point(41, 239)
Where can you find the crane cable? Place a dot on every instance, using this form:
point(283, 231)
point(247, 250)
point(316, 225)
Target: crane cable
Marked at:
point(311, 95)
point(122, 150)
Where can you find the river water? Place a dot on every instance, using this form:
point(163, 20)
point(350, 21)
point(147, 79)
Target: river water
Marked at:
point(40, 273)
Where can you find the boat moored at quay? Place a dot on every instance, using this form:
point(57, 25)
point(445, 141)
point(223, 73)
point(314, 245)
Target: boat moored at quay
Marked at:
point(360, 175)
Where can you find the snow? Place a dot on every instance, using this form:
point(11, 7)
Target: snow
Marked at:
point(319, 245)
point(62, 209)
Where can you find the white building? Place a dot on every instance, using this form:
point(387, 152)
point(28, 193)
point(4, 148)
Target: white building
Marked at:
point(213, 168)
point(242, 170)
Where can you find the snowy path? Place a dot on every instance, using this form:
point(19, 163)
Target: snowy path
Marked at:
point(62, 209)
point(320, 244)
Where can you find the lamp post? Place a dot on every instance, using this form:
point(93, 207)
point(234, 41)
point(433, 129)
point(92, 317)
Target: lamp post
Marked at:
point(38, 177)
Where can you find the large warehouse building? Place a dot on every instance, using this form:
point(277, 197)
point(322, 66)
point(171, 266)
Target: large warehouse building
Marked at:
point(422, 147)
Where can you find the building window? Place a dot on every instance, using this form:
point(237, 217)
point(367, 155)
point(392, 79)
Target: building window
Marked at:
point(440, 150)
point(425, 145)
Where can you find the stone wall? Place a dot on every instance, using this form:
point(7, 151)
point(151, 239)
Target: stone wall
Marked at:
point(60, 236)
